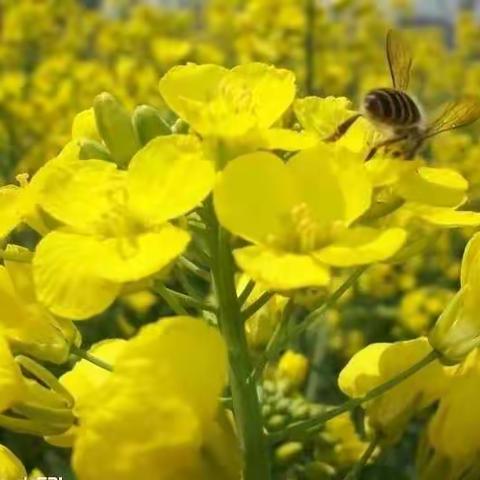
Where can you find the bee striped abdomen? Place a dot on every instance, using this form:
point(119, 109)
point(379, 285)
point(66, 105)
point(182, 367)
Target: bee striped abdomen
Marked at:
point(391, 107)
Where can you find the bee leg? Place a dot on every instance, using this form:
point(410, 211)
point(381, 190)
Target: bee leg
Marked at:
point(385, 143)
point(411, 153)
point(343, 128)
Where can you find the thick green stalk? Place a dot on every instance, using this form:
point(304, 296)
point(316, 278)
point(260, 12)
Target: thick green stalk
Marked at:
point(246, 404)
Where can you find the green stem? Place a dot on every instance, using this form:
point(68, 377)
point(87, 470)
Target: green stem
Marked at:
point(194, 268)
point(256, 305)
point(46, 377)
point(190, 301)
point(171, 300)
point(276, 341)
point(242, 298)
point(283, 334)
point(31, 427)
point(246, 404)
point(312, 425)
point(91, 358)
point(355, 471)
point(309, 45)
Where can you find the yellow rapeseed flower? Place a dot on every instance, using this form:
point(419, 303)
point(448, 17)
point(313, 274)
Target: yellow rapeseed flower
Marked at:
point(115, 225)
point(299, 215)
point(379, 362)
point(241, 104)
point(157, 415)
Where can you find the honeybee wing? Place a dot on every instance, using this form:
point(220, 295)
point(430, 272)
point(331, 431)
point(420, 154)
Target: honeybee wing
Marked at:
point(399, 58)
point(455, 114)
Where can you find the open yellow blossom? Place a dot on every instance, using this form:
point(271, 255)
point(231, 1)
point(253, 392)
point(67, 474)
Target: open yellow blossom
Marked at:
point(379, 362)
point(157, 414)
point(457, 330)
point(244, 101)
point(299, 215)
point(25, 323)
point(116, 227)
point(11, 468)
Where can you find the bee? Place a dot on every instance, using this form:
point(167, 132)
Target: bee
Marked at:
point(395, 112)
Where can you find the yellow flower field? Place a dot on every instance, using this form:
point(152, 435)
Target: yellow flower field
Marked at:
point(239, 241)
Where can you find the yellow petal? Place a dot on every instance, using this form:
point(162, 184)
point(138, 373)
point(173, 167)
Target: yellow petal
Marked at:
point(132, 259)
point(441, 187)
point(271, 90)
point(81, 193)
point(65, 269)
point(322, 115)
point(168, 177)
point(445, 217)
point(337, 174)
point(362, 245)
point(11, 468)
point(254, 196)
point(21, 277)
point(147, 437)
point(279, 270)
point(85, 126)
point(455, 427)
point(385, 171)
point(83, 381)
point(12, 388)
point(85, 377)
point(185, 85)
point(11, 211)
point(156, 412)
point(173, 342)
point(288, 140)
point(27, 326)
point(471, 258)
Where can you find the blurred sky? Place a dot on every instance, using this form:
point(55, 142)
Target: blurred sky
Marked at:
point(425, 11)
point(444, 9)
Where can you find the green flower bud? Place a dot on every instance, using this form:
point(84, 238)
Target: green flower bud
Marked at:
point(457, 330)
point(288, 453)
point(90, 149)
point(115, 127)
point(319, 471)
point(149, 123)
point(276, 422)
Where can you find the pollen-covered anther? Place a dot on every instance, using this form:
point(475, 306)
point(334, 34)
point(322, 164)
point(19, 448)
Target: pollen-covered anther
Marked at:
point(120, 224)
point(22, 179)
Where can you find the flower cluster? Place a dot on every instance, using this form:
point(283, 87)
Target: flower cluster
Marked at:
point(189, 263)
